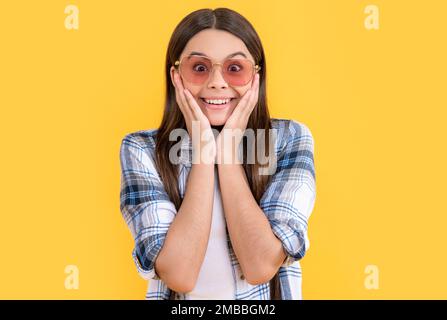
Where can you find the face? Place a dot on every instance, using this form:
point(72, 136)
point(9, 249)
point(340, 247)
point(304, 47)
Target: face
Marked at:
point(216, 45)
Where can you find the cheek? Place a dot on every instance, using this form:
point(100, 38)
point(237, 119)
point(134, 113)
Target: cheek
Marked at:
point(194, 90)
point(242, 90)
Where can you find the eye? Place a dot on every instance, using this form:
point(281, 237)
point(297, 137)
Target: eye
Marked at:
point(234, 68)
point(199, 67)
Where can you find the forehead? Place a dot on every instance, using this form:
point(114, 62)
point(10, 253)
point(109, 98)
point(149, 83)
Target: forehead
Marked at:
point(216, 44)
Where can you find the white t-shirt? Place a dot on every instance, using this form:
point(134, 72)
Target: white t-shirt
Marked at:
point(215, 281)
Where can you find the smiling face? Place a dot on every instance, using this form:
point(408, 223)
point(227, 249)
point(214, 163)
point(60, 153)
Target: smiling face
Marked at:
point(216, 45)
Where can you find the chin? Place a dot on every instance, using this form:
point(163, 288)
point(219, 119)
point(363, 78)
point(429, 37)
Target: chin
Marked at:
point(217, 121)
point(217, 118)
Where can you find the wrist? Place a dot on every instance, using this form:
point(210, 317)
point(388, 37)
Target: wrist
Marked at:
point(229, 152)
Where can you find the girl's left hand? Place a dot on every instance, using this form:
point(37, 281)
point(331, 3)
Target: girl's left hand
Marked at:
point(238, 120)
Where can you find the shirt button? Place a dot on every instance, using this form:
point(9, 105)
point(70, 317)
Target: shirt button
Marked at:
point(242, 277)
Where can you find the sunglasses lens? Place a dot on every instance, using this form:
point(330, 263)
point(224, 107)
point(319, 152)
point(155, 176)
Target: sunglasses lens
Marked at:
point(236, 72)
point(196, 69)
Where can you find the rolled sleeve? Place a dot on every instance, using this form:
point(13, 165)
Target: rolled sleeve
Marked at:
point(145, 273)
point(290, 195)
point(144, 204)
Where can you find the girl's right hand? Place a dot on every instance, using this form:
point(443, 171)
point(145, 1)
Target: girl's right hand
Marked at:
point(191, 112)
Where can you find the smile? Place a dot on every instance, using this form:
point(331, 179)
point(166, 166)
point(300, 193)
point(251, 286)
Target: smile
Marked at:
point(217, 103)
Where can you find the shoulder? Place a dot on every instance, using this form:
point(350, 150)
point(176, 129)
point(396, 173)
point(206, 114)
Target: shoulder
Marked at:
point(297, 151)
point(138, 148)
point(290, 131)
point(142, 139)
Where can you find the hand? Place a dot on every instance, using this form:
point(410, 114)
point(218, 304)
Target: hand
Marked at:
point(238, 120)
point(204, 141)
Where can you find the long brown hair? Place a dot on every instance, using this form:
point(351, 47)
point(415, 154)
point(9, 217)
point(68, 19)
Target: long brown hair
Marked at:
point(234, 23)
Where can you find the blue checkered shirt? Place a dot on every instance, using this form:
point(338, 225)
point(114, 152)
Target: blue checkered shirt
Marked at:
point(287, 203)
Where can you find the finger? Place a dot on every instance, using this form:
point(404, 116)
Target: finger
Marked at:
point(245, 98)
point(178, 81)
point(184, 108)
point(177, 95)
point(255, 97)
point(184, 98)
point(251, 99)
point(250, 105)
point(180, 103)
point(239, 110)
point(258, 84)
point(181, 97)
point(193, 104)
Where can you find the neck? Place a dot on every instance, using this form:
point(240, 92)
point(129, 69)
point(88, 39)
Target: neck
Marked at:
point(218, 128)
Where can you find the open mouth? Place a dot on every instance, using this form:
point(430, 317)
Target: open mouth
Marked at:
point(217, 103)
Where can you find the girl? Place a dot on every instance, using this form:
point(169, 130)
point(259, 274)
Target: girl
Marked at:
point(205, 227)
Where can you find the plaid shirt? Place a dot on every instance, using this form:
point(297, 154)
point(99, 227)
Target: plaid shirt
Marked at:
point(287, 203)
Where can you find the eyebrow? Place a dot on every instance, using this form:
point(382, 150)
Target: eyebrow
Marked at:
point(195, 53)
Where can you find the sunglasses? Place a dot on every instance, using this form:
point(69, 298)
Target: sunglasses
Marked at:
point(197, 70)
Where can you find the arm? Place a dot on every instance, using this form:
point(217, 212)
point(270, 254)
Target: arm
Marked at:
point(182, 255)
point(169, 245)
point(274, 233)
point(258, 250)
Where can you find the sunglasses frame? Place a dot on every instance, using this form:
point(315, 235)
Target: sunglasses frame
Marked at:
point(256, 67)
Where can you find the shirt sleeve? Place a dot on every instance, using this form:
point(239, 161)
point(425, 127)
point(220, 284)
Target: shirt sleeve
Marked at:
point(144, 204)
point(290, 195)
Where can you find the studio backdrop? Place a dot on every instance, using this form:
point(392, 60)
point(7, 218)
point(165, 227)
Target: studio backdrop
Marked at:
point(367, 77)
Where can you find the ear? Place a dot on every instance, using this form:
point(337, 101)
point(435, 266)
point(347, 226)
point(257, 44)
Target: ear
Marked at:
point(172, 72)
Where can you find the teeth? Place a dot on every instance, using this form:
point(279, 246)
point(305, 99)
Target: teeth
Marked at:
point(219, 101)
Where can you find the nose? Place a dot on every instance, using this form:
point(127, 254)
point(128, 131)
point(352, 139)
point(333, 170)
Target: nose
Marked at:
point(216, 79)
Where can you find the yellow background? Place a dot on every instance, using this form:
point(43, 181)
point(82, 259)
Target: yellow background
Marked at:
point(375, 101)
